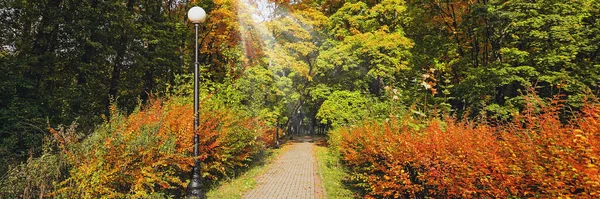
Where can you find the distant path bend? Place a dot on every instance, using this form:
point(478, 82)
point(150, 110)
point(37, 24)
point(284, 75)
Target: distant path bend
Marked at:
point(292, 175)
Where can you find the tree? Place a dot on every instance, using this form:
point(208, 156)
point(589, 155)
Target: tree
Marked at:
point(293, 49)
point(493, 50)
point(66, 61)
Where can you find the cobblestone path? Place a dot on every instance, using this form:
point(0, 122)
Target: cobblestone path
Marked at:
point(292, 175)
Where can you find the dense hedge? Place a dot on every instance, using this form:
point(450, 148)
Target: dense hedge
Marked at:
point(534, 156)
point(147, 154)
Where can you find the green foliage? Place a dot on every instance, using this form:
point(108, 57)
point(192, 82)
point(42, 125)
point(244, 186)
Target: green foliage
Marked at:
point(495, 50)
point(332, 173)
point(37, 177)
point(344, 108)
point(63, 61)
point(367, 49)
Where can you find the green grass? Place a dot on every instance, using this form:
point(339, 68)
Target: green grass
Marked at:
point(332, 174)
point(236, 187)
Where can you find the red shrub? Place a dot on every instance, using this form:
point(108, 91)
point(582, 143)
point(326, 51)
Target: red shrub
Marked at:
point(147, 154)
point(268, 137)
point(535, 156)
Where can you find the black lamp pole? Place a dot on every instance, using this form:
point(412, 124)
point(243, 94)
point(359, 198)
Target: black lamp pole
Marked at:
point(277, 135)
point(194, 189)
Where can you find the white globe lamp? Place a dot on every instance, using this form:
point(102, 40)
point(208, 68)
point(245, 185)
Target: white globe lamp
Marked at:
point(197, 15)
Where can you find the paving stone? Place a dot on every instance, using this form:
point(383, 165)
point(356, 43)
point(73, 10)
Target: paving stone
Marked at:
point(290, 176)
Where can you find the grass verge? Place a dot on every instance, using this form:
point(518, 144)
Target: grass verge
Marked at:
point(236, 187)
point(332, 174)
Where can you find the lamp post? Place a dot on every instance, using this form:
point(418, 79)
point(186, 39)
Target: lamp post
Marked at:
point(194, 190)
point(277, 134)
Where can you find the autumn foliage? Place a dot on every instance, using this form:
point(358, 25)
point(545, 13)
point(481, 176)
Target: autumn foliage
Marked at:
point(147, 154)
point(536, 155)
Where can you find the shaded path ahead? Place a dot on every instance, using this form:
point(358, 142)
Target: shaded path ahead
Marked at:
point(292, 175)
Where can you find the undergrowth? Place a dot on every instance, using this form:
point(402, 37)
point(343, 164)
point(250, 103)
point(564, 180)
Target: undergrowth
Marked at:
point(146, 154)
point(534, 155)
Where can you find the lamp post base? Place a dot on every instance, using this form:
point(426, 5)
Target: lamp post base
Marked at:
point(194, 189)
point(277, 136)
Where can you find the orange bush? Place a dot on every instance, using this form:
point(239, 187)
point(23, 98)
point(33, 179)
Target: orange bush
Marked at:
point(535, 156)
point(147, 154)
point(269, 137)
